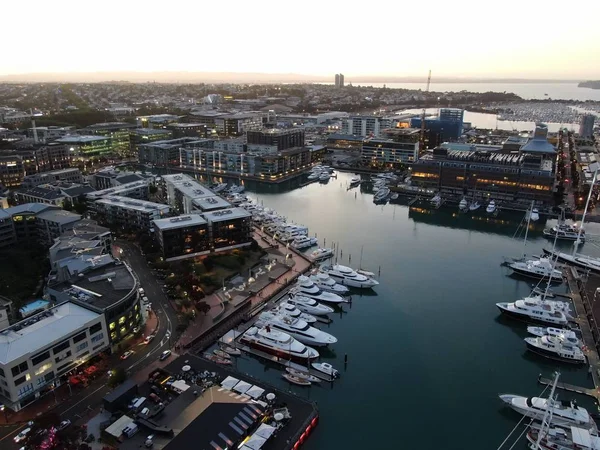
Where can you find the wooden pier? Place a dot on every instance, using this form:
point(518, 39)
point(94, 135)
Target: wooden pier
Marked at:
point(569, 387)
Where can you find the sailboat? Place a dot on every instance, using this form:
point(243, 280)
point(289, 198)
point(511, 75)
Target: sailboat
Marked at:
point(463, 205)
point(578, 259)
point(474, 205)
point(527, 219)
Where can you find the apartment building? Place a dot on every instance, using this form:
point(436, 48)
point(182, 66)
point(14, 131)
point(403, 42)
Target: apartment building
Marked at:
point(136, 189)
point(128, 213)
point(70, 175)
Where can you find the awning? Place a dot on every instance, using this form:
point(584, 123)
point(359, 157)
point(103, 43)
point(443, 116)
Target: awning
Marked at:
point(254, 443)
point(264, 431)
point(180, 385)
point(255, 392)
point(229, 382)
point(242, 387)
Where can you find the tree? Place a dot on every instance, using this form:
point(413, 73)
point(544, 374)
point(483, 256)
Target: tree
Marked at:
point(203, 307)
point(153, 189)
point(67, 205)
point(117, 377)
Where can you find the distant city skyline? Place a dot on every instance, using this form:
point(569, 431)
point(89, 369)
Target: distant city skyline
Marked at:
point(523, 40)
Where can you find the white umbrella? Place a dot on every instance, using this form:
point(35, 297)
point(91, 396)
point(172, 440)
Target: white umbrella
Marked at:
point(186, 368)
point(229, 382)
point(264, 431)
point(242, 387)
point(255, 392)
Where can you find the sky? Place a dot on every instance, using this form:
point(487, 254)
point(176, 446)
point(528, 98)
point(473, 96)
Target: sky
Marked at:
point(460, 38)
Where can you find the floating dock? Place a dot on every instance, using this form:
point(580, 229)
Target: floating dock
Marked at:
point(569, 387)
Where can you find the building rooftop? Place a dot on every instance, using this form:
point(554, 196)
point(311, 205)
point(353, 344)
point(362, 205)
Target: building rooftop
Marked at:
point(76, 190)
point(226, 214)
point(538, 146)
point(129, 178)
point(111, 126)
point(344, 137)
point(188, 186)
point(137, 205)
point(44, 193)
point(118, 190)
point(211, 203)
point(150, 131)
point(59, 216)
point(179, 222)
point(37, 331)
point(100, 287)
point(34, 208)
point(86, 229)
point(76, 139)
point(186, 125)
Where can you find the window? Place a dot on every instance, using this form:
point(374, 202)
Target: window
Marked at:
point(111, 326)
point(26, 390)
point(98, 337)
point(19, 381)
point(80, 337)
point(60, 347)
point(40, 358)
point(95, 328)
point(18, 369)
point(121, 320)
point(61, 358)
point(81, 346)
point(2, 372)
point(113, 335)
point(40, 370)
point(98, 346)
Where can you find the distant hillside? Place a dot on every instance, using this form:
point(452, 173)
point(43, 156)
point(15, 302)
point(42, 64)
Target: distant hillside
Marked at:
point(590, 84)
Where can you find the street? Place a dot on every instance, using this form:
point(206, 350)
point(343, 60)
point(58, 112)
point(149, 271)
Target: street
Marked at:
point(83, 402)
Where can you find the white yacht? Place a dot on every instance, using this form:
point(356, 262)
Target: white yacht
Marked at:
point(554, 348)
point(564, 307)
point(321, 254)
point(436, 200)
point(557, 438)
point(307, 288)
point(278, 343)
point(536, 268)
point(578, 259)
point(563, 413)
point(326, 283)
point(308, 305)
point(324, 176)
point(235, 189)
point(474, 206)
point(354, 180)
point(304, 241)
point(565, 334)
point(314, 175)
point(292, 228)
point(534, 311)
point(491, 207)
point(534, 215)
point(326, 368)
point(296, 328)
point(381, 195)
point(463, 205)
point(565, 232)
point(348, 277)
point(292, 311)
point(219, 187)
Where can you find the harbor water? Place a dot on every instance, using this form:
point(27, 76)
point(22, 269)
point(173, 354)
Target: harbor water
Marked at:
point(428, 352)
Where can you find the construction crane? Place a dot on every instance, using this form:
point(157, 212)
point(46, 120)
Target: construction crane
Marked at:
point(422, 135)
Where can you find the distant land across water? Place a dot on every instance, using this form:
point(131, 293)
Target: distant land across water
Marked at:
point(590, 84)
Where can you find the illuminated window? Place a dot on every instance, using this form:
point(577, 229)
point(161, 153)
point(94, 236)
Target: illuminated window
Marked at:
point(121, 320)
point(137, 307)
point(137, 317)
point(27, 377)
point(112, 326)
point(113, 335)
point(40, 370)
point(122, 330)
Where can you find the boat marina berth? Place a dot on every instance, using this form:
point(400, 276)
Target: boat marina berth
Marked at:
point(533, 311)
point(554, 347)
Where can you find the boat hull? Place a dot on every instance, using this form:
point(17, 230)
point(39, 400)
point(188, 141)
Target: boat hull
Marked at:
point(552, 355)
point(353, 283)
point(535, 276)
point(278, 352)
point(572, 260)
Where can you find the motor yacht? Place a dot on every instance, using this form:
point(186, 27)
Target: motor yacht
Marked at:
point(307, 288)
point(235, 189)
point(308, 305)
point(354, 180)
point(557, 438)
point(554, 348)
point(436, 201)
point(321, 254)
point(474, 206)
point(314, 176)
point(565, 334)
point(536, 268)
point(381, 195)
point(326, 368)
point(491, 207)
point(578, 259)
point(534, 215)
point(291, 228)
point(302, 374)
point(324, 176)
point(328, 284)
point(348, 277)
point(304, 241)
point(278, 343)
point(564, 307)
point(533, 311)
point(219, 187)
point(565, 232)
point(292, 311)
point(463, 205)
point(296, 328)
point(563, 413)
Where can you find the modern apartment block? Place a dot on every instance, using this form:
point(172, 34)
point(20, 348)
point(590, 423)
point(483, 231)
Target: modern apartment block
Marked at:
point(12, 171)
point(167, 153)
point(70, 175)
point(274, 140)
point(118, 132)
point(137, 189)
point(366, 126)
point(38, 352)
point(193, 235)
point(182, 190)
point(388, 153)
point(85, 147)
point(128, 213)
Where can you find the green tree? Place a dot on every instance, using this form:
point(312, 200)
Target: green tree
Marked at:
point(153, 189)
point(67, 205)
point(117, 377)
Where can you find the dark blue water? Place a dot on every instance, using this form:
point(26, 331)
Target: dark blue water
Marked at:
point(428, 353)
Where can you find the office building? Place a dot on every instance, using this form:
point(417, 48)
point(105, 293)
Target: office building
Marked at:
point(47, 134)
point(118, 132)
point(12, 171)
point(231, 125)
point(8, 236)
point(103, 285)
point(230, 145)
point(586, 126)
point(85, 147)
point(195, 130)
point(366, 126)
point(156, 120)
point(387, 153)
point(53, 156)
point(38, 352)
point(70, 175)
point(126, 213)
point(448, 126)
point(136, 189)
point(339, 80)
point(192, 235)
point(274, 140)
point(140, 136)
point(6, 314)
point(166, 153)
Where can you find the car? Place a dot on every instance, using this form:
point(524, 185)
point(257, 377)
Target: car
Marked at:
point(64, 424)
point(145, 299)
point(22, 435)
point(141, 291)
point(164, 355)
point(148, 339)
point(135, 330)
point(127, 354)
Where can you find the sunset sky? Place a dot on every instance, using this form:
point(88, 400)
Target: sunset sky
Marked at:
point(514, 39)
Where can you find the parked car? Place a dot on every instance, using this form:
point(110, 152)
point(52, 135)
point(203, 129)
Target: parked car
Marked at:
point(148, 339)
point(164, 355)
point(127, 354)
point(64, 424)
point(155, 398)
point(141, 291)
point(22, 435)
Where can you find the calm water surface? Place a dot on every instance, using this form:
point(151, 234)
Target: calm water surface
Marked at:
point(428, 353)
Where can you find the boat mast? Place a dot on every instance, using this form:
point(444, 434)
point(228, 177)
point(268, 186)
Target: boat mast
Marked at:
point(553, 266)
point(547, 414)
point(527, 226)
point(595, 167)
